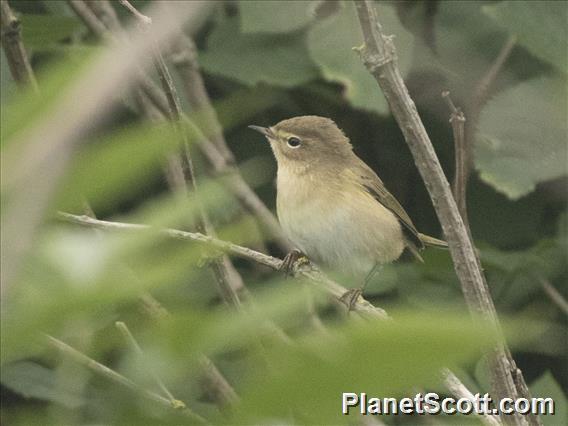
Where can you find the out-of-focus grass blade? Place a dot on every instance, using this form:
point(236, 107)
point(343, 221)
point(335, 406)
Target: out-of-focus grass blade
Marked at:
point(122, 163)
point(383, 359)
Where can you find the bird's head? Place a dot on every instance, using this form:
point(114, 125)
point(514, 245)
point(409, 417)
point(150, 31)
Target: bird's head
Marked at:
point(307, 141)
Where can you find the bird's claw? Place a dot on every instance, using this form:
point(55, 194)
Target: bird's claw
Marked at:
point(350, 297)
point(293, 261)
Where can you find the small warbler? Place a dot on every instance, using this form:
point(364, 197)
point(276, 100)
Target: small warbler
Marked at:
point(331, 205)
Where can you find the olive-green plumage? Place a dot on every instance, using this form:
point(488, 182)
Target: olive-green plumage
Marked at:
point(331, 205)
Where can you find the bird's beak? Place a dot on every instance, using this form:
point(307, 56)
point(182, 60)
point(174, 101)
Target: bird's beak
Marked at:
point(266, 131)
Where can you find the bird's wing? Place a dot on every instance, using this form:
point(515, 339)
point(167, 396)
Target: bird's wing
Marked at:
point(375, 186)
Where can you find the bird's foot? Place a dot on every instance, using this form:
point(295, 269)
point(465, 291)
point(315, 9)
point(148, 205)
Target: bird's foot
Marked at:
point(293, 261)
point(350, 297)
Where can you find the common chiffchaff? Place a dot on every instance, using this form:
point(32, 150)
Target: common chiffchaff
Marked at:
point(331, 205)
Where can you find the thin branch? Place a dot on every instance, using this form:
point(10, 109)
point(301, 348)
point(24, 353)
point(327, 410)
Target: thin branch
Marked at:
point(118, 378)
point(315, 276)
point(554, 295)
point(146, 20)
point(131, 341)
point(379, 56)
point(483, 88)
point(459, 187)
point(310, 272)
point(457, 388)
point(215, 384)
point(18, 61)
point(232, 179)
point(228, 279)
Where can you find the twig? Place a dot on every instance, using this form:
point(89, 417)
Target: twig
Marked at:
point(379, 56)
point(483, 87)
point(33, 164)
point(309, 272)
point(554, 295)
point(459, 188)
point(18, 61)
point(231, 176)
point(479, 98)
point(112, 375)
point(141, 17)
point(227, 277)
point(130, 340)
point(456, 387)
point(214, 382)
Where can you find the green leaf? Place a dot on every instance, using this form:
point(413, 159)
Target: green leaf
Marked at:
point(7, 84)
point(103, 172)
point(331, 42)
point(522, 139)
point(379, 358)
point(277, 59)
point(275, 16)
point(547, 387)
point(539, 25)
point(32, 380)
point(42, 31)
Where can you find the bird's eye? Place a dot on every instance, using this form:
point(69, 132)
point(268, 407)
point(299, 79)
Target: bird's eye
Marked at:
point(294, 142)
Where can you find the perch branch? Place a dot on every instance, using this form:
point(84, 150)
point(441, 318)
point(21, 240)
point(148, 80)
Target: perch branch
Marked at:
point(97, 16)
point(18, 61)
point(310, 272)
point(112, 375)
point(379, 56)
point(228, 279)
point(231, 176)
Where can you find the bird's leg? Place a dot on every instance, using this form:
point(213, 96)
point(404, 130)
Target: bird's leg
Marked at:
point(293, 261)
point(349, 298)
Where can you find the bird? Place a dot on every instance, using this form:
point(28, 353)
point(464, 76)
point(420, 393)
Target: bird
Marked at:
point(332, 206)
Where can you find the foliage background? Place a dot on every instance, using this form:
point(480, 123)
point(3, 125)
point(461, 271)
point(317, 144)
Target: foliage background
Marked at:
point(263, 62)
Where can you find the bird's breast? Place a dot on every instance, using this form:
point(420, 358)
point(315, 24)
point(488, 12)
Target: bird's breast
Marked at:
point(337, 224)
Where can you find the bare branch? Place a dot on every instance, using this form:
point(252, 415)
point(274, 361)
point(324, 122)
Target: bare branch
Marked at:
point(457, 388)
point(310, 272)
point(483, 87)
point(112, 375)
point(37, 158)
point(18, 61)
point(379, 56)
point(315, 276)
point(227, 277)
point(459, 188)
point(221, 162)
point(554, 295)
point(131, 341)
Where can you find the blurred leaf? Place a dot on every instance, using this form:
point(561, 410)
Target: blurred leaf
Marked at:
point(41, 31)
point(522, 139)
point(466, 43)
point(308, 378)
point(547, 387)
point(32, 380)
point(331, 42)
point(23, 111)
point(539, 25)
point(278, 59)
point(275, 16)
point(122, 162)
point(514, 276)
point(7, 84)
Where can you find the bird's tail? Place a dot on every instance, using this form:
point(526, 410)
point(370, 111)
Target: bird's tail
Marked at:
point(432, 242)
